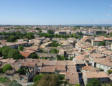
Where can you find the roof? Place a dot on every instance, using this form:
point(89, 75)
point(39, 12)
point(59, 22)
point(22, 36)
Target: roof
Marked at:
point(60, 68)
point(26, 53)
point(48, 69)
point(72, 75)
point(11, 61)
point(103, 61)
point(95, 74)
point(89, 68)
point(102, 38)
point(99, 38)
point(97, 55)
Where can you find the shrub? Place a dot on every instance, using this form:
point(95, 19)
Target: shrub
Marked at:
point(14, 83)
point(3, 79)
point(37, 78)
point(6, 67)
point(94, 82)
point(54, 51)
point(109, 71)
point(22, 71)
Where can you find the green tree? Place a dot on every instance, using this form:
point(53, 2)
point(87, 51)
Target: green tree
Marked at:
point(4, 50)
point(13, 53)
point(14, 83)
point(50, 32)
point(30, 35)
point(54, 51)
point(60, 57)
point(34, 56)
point(38, 29)
point(48, 80)
point(11, 38)
point(77, 85)
point(6, 67)
point(22, 71)
point(54, 44)
point(37, 77)
point(8, 52)
point(94, 82)
point(101, 43)
point(109, 71)
point(20, 48)
point(3, 79)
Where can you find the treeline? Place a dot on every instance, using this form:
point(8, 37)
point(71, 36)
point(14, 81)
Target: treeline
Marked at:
point(48, 35)
point(13, 36)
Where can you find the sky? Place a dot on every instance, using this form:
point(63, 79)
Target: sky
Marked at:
point(55, 12)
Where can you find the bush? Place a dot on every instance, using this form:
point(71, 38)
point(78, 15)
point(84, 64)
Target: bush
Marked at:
point(14, 83)
point(48, 80)
point(54, 44)
point(6, 67)
point(61, 77)
point(50, 32)
point(12, 38)
point(20, 48)
point(37, 78)
point(109, 71)
point(101, 43)
point(34, 56)
point(54, 51)
point(22, 71)
point(94, 82)
point(60, 57)
point(3, 79)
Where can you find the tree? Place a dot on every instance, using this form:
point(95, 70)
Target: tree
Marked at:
point(38, 29)
point(50, 32)
point(109, 71)
point(11, 38)
point(48, 80)
point(60, 57)
point(101, 43)
point(61, 76)
point(54, 51)
point(4, 50)
point(20, 48)
point(37, 77)
point(22, 71)
point(6, 67)
point(30, 35)
point(54, 44)
point(94, 82)
point(14, 83)
point(77, 85)
point(3, 79)
point(34, 56)
point(13, 53)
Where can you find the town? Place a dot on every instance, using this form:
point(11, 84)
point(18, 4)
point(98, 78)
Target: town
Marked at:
point(55, 55)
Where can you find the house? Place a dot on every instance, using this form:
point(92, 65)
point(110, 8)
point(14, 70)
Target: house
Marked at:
point(101, 76)
point(36, 66)
point(101, 39)
point(101, 63)
point(97, 40)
